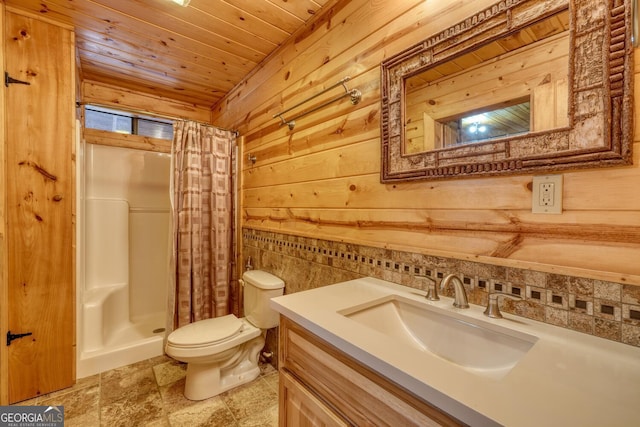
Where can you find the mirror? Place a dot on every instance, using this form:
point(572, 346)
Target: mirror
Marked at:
point(511, 86)
point(521, 86)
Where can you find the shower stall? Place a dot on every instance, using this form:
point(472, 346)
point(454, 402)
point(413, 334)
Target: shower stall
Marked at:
point(123, 251)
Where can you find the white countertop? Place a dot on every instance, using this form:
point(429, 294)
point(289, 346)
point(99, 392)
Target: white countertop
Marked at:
point(566, 379)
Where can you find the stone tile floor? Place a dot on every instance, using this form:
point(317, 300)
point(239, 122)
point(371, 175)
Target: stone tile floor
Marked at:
point(149, 393)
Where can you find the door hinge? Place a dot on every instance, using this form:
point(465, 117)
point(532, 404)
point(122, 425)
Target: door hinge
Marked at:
point(11, 337)
point(10, 80)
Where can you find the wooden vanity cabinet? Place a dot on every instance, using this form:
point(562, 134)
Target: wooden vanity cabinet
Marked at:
point(322, 386)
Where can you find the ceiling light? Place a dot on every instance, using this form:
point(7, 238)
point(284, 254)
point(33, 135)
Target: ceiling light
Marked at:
point(184, 3)
point(477, 128)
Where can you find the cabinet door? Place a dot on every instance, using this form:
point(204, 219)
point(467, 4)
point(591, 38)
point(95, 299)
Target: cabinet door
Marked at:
point(39, 206)
point(358, 394)
point(300, 408)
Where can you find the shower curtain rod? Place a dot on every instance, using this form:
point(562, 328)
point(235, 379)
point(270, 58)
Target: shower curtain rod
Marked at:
point(235, 132)
point(79, 104)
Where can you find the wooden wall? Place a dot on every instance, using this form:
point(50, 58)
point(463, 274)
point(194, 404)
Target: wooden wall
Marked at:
point(322, 178)
point(129, 100)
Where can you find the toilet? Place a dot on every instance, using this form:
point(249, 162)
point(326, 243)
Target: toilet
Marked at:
point(223, 352)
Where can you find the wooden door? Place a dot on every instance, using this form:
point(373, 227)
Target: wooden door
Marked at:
point(39, 206)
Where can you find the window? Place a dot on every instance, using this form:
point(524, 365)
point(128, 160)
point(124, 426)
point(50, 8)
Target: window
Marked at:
point(489, 122)
point(125, 122)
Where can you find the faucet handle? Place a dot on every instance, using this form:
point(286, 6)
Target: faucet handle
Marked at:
point(492, 309)
point(432, 289)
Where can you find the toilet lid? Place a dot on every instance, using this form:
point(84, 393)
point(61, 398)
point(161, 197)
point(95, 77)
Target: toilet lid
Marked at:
point(205, 332)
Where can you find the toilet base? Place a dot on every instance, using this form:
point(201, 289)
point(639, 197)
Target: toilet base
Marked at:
point(205, 380)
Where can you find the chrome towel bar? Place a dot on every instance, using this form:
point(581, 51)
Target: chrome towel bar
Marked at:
point(355, 95)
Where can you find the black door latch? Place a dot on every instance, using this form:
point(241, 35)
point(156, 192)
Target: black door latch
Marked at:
point(11, 337)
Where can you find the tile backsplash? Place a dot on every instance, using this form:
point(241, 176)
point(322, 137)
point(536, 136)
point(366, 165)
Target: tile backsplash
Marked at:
point(605, 309)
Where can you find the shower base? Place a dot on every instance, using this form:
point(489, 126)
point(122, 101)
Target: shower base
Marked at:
point(138, 340)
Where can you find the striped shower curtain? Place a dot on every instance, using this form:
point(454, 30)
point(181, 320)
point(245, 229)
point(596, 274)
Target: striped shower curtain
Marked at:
point(201, 223)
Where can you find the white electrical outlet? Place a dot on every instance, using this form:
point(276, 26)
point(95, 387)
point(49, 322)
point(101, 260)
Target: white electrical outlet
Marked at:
point(547, 194)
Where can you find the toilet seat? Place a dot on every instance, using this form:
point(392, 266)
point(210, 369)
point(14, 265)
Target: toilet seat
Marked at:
point(188, 350)
point(204, 333)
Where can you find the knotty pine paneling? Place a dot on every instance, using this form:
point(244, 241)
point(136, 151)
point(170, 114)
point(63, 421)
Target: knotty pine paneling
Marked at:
point(322, 179)
point(130, 100)
point(592, 190)
point(330, 49)
point(344, 130)
point(137, 142)
point(195, 54)
point(353, 160)
point(452, 221)
point(314, 59)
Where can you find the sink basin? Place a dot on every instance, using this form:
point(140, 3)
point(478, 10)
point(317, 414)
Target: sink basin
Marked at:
point(477, 346)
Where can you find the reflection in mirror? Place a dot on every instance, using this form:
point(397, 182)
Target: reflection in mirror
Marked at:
point(507, 121)
point(508, 87)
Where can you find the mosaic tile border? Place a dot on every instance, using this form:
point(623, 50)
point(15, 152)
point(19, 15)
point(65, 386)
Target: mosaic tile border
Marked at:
point(605, 309)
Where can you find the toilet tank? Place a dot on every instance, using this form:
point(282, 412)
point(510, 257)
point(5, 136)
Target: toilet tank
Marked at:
point(259, 288)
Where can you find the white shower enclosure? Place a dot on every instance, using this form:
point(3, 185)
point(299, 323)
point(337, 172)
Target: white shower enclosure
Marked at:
point(123, 253)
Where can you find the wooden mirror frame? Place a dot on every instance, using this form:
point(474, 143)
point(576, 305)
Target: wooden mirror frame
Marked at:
point(600, 132)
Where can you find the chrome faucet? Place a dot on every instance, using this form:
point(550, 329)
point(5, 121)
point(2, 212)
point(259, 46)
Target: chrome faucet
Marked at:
point(432, 289)
point(492, 309)
point(460, 300)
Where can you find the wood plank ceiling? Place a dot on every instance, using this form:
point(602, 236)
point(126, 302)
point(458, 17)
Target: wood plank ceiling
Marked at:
point(194, 54)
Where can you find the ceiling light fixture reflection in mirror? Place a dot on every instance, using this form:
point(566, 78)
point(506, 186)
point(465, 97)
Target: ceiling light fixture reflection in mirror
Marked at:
point(520, 86)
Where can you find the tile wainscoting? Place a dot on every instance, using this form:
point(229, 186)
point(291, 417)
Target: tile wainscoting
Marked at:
point(605, 309)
